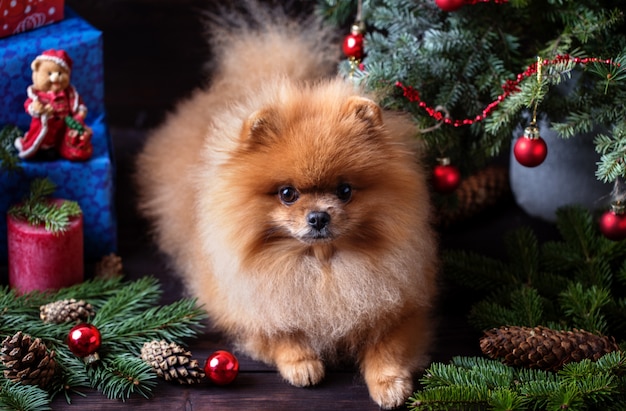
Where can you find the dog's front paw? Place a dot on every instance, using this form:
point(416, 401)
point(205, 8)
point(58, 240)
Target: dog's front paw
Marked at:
point(302, 372)
point(390, 392)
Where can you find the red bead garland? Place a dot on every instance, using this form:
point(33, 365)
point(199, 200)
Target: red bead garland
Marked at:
point(221, 368)
point(509, 87)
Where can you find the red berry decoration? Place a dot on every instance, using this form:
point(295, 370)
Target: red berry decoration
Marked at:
point(446, 177)
point(221, 367)
point(450, 5)
point(84, 340)
point(353, 43)
point(613, 222)
point(530, 149)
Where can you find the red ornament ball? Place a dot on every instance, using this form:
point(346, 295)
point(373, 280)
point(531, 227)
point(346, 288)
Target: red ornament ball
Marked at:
point(84, 340)
point(613, 225)
point(530, 152)
point(353, 45)
point(221, 367)
point(450, 5)
point(446, 177)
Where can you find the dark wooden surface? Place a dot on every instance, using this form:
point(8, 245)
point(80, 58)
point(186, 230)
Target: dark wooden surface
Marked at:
point(154, 55)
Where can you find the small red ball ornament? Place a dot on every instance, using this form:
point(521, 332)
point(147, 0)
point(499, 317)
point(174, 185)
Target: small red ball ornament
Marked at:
point(450, 5)
point(221, 368)
point(353, 43)
point(446, 177)
point(530, 150)
point(84, 340)
point(613, 222)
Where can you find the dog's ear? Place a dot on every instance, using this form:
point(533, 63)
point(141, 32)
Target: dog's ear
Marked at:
point(260, 126)
point(364, 110)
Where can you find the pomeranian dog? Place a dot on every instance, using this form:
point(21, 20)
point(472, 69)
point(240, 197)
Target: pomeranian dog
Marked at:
point(297, 212)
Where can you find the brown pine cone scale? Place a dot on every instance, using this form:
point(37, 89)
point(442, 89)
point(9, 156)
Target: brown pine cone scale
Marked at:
point(172, 362)
point(26, 360)
point(69, 310)
point(476, 193)
point(544, 348)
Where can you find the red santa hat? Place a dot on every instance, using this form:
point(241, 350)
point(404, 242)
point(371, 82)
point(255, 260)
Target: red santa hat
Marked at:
point(60, 57)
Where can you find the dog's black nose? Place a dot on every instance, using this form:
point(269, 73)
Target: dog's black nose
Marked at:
point(318, 219)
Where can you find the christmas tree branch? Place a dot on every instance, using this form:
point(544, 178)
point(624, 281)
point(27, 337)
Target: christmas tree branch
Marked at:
point(463, 60)
point(8, 159)
point(478, 383)
point(573, 283)
point(37, 210)
point(174, 322)
point(122, 376)
point(127, 316)
point(19, 397)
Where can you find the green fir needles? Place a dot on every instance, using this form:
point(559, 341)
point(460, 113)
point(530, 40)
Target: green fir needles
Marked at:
point(578, 282)
point(127, 316)
point(37, 208)
point(473, 383)
point(8, 159)
point(461, 63)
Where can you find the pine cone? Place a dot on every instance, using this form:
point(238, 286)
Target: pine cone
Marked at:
point(62, 311)
point(476, 193)
point(110, 266)
point(544, 348)
point(172, 362)
point(27, 361)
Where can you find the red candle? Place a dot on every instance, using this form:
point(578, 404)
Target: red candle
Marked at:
point(43, 260)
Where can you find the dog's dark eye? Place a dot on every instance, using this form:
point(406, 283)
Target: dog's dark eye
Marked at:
point(288, 195)
point(344, 192)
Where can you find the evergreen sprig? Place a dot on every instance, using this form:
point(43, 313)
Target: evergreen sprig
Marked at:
point(37, 209)
point(128, 314)
point(476, 383)
point(8, 158)
point(460, 60)
point(19, 397)
point(577, 282)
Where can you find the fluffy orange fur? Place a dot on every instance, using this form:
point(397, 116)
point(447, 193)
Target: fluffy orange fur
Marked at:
point(289, 292)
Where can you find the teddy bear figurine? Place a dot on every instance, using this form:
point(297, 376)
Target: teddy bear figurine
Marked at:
point(57, 111)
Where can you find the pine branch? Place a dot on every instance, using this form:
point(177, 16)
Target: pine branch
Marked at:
point(19, 397)
point(172, 323)
point(132, 298)
point(522, 306)
point(461, 60)
point(584, 307)
point(522, 249)
point(472, 383)
point(72, 373)
point(97, 291)
point(122, 376)
point(577, 282)
point(37, 210)
point(126, 315)
point(8, 159)
point(450, 397)
point(476, 271)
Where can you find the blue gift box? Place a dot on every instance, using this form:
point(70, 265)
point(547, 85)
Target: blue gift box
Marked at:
point(90, 183)
point(80, 40)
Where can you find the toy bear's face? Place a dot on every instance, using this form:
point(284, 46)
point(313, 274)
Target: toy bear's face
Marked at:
point(49, 76)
